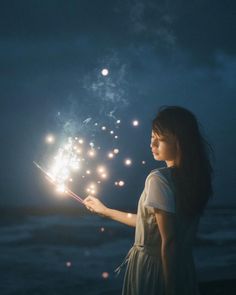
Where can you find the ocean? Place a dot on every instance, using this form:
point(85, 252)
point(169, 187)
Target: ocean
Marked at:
point(77, 254)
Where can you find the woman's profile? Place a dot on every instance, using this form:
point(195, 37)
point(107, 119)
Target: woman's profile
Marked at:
point(174, 197)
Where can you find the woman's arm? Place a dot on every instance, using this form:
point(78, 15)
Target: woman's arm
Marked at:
point(96, 206)
point(166, 224)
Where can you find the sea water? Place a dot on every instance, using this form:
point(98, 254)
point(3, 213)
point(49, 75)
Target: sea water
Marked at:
point(58, 254)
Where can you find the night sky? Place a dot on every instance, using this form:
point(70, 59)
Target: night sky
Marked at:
point(157, 52)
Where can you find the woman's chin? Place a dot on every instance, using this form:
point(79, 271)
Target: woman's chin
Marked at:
point(156, 157)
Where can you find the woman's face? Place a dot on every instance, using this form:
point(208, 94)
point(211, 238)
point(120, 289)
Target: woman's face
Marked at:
point(164, 148)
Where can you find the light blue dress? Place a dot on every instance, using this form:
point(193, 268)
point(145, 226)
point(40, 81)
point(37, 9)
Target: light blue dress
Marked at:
point(144, 274)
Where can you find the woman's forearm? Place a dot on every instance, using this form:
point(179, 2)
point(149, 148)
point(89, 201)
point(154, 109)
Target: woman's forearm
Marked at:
point(168, 253)
point(120, 216)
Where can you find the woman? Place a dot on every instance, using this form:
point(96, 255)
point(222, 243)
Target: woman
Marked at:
point(174, 197)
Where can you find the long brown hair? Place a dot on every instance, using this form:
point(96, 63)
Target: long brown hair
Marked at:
point(192, 174)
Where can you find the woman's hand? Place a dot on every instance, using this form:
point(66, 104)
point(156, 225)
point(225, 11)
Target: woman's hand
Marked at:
point(95, 205)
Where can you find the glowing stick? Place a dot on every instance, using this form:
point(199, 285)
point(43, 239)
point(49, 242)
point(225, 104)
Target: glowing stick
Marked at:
point(50, 178)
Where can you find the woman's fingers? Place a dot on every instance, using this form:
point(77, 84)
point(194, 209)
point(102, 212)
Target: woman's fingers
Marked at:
point(89, 199)
point(89, 203)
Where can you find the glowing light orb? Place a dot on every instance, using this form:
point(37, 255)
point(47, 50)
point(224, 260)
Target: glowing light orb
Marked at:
point(91, 153)
point(110, 155)
point(116, 136)
point(104, 72)
point(88, 172)
point(143, 162)
point(81, 141)
point(105, 275)
point(135, 123)
point(101, 169)
point(79, 151)
point(116, 151)
point(50, 138)
point(91, 189)
point(102, 229)
point(121, 183)
point(112, 132)
point(68, 264)
point(118, 121)
point(104, 175)
point(128, 162)
point(104, 127)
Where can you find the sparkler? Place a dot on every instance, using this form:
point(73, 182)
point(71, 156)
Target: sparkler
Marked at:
point(52, 180)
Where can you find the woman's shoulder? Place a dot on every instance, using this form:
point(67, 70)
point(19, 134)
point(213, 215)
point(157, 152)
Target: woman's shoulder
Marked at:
point(162, 172)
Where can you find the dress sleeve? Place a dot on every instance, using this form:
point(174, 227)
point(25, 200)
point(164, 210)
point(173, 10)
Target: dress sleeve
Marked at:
point(159, 194)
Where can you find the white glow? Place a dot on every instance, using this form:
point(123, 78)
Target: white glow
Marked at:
point(104, 175)
point(50, 138)
point(61, 188)
point(121, 183)
point(115, 151)
point(110, 155)
point(91, 153)
point(101, 169)
point(104, 127)
point(135, 122)
point(128, 162)
point(105, 72)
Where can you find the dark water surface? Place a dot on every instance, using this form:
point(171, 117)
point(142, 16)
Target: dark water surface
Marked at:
point(77, 254)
